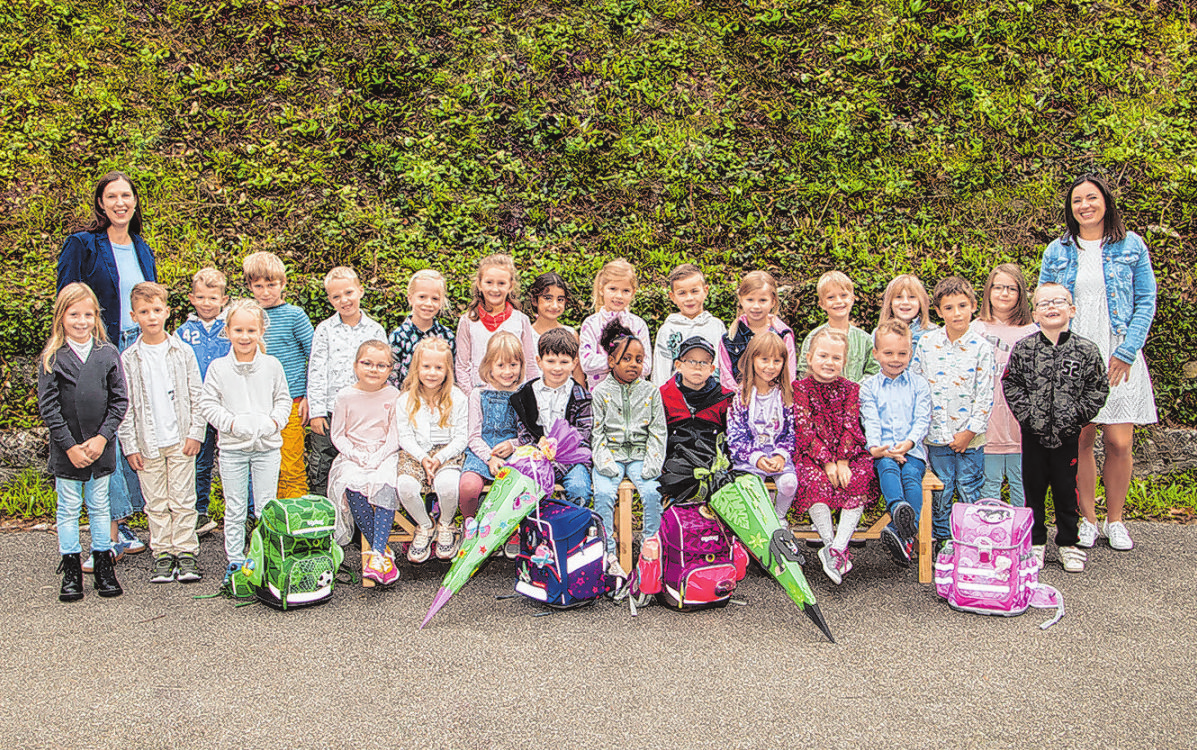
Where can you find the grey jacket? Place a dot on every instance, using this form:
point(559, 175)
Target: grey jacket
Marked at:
point(137, 431)
point(629, 425)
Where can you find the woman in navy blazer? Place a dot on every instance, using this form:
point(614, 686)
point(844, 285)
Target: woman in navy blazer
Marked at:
point(111, 257)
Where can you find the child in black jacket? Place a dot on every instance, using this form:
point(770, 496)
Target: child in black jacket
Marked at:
point(1055, 384)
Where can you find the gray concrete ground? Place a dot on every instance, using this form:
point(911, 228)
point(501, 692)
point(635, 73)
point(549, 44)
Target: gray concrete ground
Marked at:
point(159, 669)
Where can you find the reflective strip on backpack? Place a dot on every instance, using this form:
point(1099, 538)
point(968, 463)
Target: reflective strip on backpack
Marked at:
point(970, 586)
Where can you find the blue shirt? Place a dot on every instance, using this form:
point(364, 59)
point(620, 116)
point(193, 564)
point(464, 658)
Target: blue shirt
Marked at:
point(893, 410)
point(129, 273)
point(289, 339)
point(207, 342)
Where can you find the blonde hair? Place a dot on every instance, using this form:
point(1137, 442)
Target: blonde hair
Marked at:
point(375, 345)
point(341, 273)
point(895, 327)
point(909, 283)
point(616, 269)
point(210, 278)
point(441, 400)
point(503, 346)
point(71, 295)
point(148, 291)
point(498, 260)
point(263, 265)
point(826, 333)
point(249, 307)
point(1021, 314)
point(837, 279)
point(749, 283)
point(427, 274)
point(767, 344)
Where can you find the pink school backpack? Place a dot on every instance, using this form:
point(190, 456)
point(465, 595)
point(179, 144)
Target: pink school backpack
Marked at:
point(988, 567)
point(700, 564)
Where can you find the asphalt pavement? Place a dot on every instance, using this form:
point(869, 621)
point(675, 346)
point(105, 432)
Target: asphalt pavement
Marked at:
point(157, 668)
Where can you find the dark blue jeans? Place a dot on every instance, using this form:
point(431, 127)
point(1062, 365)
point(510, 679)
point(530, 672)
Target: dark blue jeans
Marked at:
point(901, 482)
point(962, 474)
point(203, 471)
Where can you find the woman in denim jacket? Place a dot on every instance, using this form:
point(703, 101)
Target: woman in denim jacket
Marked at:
point(1108, 270)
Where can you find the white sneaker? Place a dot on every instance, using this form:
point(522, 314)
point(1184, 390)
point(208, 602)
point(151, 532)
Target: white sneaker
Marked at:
point(614, 569)
point(1118, 536)
point(829, 565)
point(1073, 559)
point(1087, 532)
point(446, 542)
point(421, 545)
point(1038, 551)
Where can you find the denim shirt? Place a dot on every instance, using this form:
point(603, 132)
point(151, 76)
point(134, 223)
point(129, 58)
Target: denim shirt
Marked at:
point(1130, 285)
point(893, 410)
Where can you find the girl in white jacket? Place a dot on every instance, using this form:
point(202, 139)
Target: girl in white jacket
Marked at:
point(246, 399)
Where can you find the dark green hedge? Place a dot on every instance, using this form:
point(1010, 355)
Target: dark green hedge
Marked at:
point(874, 137)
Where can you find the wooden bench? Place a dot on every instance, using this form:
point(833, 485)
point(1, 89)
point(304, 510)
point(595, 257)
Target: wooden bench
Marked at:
point(623, 527)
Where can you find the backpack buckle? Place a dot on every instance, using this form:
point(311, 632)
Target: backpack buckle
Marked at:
point(984, 549)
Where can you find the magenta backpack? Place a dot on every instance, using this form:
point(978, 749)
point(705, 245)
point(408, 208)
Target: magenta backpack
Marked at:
point(700, 564)
point(988, 566)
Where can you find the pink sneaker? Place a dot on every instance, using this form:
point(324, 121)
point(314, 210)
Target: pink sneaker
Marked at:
point(373, 567)
point(389, 572)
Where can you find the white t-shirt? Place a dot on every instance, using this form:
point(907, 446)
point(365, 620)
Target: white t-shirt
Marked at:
point(83, 351)
point(160, 385)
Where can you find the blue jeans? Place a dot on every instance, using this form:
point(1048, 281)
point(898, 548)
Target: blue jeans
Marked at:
point(576, 483)
point(901, 482)
point(71, 495)
point(1008, 465)
point(124, 488)
point(236, 470)
point(606, 488)
point(203, 471)
point(962, 474)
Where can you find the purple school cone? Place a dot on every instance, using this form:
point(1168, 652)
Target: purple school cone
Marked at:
point(511, 497)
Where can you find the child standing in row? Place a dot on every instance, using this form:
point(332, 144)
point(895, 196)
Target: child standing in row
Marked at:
point(555, 395)
point(331, 366)
point(81, 399)
point(493, 435)
point(162, 433)
point(288, 338)
point(548, 297)
point(629, 434)
point(688, 291)
point(494, 306)
point(365, 432)
point(614, 290)
point(246, 398)
point(203, 332)
point(757, 305)
point(906, 299)
point(425, 298)
point(958, 366)
point(1055, 384)
point(836, 298)
point(1005, 320)
point(433, 428)
point(895, 409)
point(832, 463)
point(760, 429)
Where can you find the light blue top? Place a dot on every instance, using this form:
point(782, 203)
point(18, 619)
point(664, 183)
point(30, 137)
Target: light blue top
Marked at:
point(128, 270)
point(289, 339)
point(896, 409)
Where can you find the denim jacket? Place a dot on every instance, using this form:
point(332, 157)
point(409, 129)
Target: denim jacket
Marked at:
point(1130, 285)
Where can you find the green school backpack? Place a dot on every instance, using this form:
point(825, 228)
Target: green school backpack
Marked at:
point(293, 558)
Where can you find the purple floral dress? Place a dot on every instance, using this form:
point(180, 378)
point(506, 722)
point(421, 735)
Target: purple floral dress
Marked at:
point(826, 430)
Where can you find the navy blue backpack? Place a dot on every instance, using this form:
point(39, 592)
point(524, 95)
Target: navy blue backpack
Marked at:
point(562, 551)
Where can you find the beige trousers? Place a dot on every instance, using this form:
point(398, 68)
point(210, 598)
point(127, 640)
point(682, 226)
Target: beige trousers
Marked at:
point(168, 485)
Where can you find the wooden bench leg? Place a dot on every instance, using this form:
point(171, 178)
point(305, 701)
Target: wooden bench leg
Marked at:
point(930, 484)
point(623, 524)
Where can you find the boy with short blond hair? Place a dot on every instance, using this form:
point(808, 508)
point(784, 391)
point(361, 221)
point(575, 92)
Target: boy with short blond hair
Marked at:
point(203, 332)
point(688, 291)
point(426, 295)
point(289, 339)
point(162, 432)
point(958, 364)
point(331, 366)
point(836, 297)
point(1055, 384)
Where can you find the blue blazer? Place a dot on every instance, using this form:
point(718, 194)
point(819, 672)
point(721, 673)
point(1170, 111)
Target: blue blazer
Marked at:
point(87, 257)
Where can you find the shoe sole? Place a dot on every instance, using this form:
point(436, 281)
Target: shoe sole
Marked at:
point(419, 558)
point(206, 529)
point(906, 521)
point(192, 578)
point(134, 551)
point(159, 579)
point(897, 550)
point(70, 597)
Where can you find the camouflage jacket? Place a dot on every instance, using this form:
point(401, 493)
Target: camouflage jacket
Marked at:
point(1054, 390)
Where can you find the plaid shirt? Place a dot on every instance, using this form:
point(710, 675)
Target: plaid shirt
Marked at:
point(403, 342)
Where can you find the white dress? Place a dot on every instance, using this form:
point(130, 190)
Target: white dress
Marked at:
point(1132, 402)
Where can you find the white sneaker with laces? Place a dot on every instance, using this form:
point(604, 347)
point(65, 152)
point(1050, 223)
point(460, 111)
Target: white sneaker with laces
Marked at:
point(829, 566)
point(1118, 536)
point(1087, 532)
point(446, 542)
point(614, 569)
point(1073, 559)
point(421, 545)
point(1038, 550)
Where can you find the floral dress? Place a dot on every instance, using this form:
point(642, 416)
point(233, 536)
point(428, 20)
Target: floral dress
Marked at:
point(826, 430)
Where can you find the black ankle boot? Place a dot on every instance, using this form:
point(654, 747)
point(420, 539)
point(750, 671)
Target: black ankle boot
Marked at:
point(72, 578)
point(106, 583)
